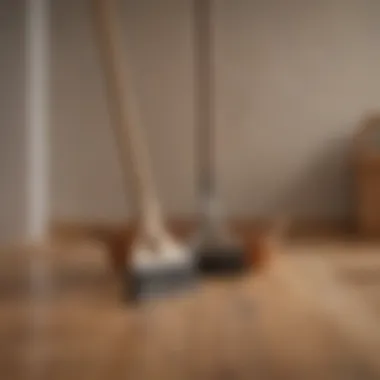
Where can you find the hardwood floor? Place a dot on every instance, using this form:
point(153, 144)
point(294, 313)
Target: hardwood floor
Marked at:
point(313, 314)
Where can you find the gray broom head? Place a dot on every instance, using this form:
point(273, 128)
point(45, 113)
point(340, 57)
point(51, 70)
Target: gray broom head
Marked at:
point(220, 253)
point(169, 271)
point(221, 259)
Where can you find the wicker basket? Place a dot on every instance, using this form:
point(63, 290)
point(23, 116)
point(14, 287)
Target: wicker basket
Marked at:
point(367, 176)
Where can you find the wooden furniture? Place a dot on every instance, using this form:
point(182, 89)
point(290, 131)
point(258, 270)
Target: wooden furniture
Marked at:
point(367, 176)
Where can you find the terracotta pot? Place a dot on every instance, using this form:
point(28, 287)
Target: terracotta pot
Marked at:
point(258, 251)
point(119, 246)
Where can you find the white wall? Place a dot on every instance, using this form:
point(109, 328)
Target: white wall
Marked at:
point(293, 79)
point(13, 198)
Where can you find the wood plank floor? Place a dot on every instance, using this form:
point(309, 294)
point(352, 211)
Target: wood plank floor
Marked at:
point(314, 314)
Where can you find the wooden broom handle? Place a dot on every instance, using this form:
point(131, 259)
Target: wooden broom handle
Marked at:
point(126, 122)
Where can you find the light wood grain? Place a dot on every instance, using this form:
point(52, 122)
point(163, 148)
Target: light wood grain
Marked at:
point(301, 318)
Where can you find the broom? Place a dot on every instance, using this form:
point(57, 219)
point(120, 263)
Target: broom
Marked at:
point(157, 262)
point(218, 250)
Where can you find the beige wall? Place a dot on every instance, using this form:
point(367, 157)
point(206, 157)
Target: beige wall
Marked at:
point(293, 80)
point(12, 121)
